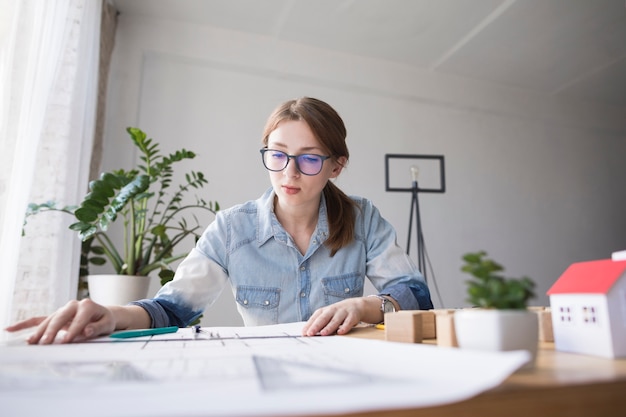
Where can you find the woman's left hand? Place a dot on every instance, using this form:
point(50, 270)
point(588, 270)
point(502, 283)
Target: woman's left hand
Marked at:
point(342, 316)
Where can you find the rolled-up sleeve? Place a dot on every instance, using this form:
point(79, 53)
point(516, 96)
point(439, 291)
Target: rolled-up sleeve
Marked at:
point(411, 296)
point(157, 313)
point(389, 268)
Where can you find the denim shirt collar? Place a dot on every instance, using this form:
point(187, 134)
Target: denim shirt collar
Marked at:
point(270, 227)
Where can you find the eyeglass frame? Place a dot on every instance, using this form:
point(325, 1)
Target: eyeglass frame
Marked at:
point(295, 158)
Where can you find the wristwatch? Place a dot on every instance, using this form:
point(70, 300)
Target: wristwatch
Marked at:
point(386, 306)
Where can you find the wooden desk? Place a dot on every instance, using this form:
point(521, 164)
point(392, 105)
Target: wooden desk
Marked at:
point(560, 384)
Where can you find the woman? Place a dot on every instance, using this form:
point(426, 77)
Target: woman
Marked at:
point(301, 252)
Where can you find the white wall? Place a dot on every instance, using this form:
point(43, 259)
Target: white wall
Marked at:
point(534, 181)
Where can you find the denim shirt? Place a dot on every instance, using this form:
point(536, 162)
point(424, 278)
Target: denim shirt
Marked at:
point(248, 249)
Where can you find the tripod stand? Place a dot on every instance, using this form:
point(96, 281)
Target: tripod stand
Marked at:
point(415, 209)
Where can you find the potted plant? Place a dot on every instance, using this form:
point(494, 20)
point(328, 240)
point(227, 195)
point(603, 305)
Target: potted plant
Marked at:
point(154, 219)
point(500, 319)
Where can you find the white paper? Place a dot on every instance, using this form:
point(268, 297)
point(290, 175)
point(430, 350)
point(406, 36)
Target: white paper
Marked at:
point(251, 371)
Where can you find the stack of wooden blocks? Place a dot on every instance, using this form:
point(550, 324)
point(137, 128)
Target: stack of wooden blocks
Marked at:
point(414, 326)
point(410, 326)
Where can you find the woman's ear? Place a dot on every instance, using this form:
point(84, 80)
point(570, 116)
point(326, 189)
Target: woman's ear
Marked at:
point(339, 164)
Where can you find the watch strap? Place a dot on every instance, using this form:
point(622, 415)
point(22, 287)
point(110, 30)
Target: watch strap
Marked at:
point(383, 303)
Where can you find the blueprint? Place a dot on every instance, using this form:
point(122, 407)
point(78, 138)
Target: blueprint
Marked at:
point(239, 371)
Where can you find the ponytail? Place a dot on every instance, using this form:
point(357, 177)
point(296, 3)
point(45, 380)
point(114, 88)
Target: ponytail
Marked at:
point(341, 218)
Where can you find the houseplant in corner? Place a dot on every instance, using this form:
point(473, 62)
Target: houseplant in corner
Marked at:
point(500, 319)
point(155, 220)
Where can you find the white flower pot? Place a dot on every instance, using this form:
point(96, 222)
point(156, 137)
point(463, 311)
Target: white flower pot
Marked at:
point(498, 330)
point(117, 289)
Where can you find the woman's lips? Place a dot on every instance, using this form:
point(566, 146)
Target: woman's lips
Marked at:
point(290, 190)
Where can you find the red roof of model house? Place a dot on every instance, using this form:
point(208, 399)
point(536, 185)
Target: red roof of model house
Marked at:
point(593, 277)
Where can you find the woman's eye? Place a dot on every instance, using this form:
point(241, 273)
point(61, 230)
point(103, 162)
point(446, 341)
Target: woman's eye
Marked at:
point(310, 158)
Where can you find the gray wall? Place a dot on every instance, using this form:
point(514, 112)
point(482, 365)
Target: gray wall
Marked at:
point(534, 181)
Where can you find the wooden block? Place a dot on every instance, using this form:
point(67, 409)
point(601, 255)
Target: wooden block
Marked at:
point(544, 315)
point(545, 326)
point(403, 326)
point(429, 328)
point(446, 335)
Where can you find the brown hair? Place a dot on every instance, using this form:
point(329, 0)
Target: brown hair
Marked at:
point(328, 128)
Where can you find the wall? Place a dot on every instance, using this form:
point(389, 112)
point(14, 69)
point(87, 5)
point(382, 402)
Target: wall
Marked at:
point(534, 181)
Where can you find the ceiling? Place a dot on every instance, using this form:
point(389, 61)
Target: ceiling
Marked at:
point(567, 48)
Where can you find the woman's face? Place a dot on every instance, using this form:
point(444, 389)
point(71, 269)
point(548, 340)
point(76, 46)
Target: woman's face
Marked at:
point(293, 188)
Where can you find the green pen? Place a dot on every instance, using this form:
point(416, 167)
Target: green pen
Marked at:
point(144, 332)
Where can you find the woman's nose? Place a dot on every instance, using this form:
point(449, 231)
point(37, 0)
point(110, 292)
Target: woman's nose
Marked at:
point(291, 170)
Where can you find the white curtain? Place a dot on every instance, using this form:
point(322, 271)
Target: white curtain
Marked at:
point(48, 80)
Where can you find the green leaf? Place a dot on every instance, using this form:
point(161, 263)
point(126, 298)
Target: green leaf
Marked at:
point(127, 193)
point(79, 226)
point(87, 233)
point(86, 214)
point(97, 260)
point(166, 276)
point(98, 250)
point(159, 230)
point(102, 187)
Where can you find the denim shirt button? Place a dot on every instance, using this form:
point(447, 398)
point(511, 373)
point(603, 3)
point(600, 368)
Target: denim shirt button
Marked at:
point(302, 268)
point(346, 290)
point(245, 302)
point(302, 294)
point(267, 302)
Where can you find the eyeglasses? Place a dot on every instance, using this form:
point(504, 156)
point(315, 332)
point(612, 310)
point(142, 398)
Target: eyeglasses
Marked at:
point(306, 163)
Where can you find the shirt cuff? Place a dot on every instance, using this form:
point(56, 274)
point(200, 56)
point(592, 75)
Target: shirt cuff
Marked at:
point(158, 316)
point(414, 296)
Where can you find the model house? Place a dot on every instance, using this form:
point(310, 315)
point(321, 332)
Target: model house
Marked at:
point(588, 305)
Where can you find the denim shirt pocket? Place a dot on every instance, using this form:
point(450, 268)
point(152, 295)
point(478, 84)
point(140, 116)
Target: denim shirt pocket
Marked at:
point(259, 303)
point(341, 287)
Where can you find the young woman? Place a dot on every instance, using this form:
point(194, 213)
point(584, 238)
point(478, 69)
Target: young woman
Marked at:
point(301, 252)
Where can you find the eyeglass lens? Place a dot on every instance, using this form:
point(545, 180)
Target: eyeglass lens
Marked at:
point(308, 164)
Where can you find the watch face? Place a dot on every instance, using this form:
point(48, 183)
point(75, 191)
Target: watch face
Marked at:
point(389, 308)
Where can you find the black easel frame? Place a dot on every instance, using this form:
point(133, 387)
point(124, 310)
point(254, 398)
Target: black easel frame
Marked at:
point(415, 211)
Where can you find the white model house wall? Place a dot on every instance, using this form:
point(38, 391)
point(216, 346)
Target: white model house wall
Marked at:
point(617, 311)
point(581, 324)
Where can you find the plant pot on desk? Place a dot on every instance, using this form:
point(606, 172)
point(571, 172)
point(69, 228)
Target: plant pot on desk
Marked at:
point(117, 289)
point(498, 330)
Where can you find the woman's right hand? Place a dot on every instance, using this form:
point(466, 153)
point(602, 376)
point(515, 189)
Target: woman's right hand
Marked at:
point(81, 320)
